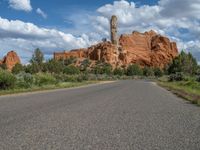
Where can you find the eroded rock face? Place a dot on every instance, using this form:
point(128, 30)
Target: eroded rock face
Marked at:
point(145, 49)
point(10, 60)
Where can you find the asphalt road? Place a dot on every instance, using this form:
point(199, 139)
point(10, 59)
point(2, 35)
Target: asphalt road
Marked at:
point(124, 115)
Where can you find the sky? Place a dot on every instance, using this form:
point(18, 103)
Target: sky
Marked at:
point(57, 25)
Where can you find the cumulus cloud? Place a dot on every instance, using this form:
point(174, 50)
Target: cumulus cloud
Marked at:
point(181, 24)
point(20, 36)
point(41, 12)
point(24, 5)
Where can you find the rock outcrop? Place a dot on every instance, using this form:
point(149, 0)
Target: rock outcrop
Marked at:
point(145, 49)
point(10, 60)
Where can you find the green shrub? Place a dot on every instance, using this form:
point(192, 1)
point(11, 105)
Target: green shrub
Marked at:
point(17, 69)
point(24, 80)
point(71, 70)
point(158, 72)
point(134, 70)
point(118, 71)
point(3, 66)
point(7, 80)
point(45, 79)
point(147, 71)
point(185, 63)
point(53, 66)
point(70, 61)
point(32, 68)
point(198, 78)
point(176, 77)
point(102, 68)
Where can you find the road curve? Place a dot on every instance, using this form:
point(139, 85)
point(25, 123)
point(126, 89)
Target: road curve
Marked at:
point(124, 115)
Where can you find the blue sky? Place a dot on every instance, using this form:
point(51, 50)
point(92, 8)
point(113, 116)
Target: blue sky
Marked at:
point(66, 24)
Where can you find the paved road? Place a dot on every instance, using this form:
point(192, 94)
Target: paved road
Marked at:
point(125, 115)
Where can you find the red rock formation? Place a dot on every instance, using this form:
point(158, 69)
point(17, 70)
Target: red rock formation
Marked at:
point(145, 49)
point(10, 60)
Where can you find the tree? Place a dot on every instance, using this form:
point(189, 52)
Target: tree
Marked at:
point(53, 66)
point(17, 69)
point(71, 70)
point(118, 71)
point(37, 57)
point(85, 64)
point(102, 68)
point(3, 66)
point(158, 72)
point(134, 70)
point(70, 61)
point(185, 63)
point(32, 68)
point(7, 80)
point(37, 61)
point(147, 71)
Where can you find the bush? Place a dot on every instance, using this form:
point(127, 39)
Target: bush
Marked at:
point(44, 79)
point(71, 70)
point(102, 68)
point(3, 66)
point(158, 72)
point(17, 69)
point(118, 71)
point(25, 80)
point(32, 68)
point(134, 70)
point(198, 78)
point(147, 71)
point(7, 80)
point(185, 63)
point(53, 66)
point(176, 77)
point(70, 61)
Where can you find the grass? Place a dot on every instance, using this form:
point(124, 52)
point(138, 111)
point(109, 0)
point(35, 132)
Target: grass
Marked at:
point(189, 90)
point(47, 87)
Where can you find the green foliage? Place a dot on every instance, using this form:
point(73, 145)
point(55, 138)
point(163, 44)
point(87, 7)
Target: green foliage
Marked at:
point(24, 80)
point(102, 68)
point(17, 69)
point(7, 80)
point(147, 71)
point(44, 79)
point(53, 66)
point(70, 61)
point(38, 57)
point(198, 78)
point(3, 66)
point(178, 76)
point(36, 61)
point(71, 70)
point(185, 63)
point(134, 70)
point(158, 72)
point(32, 68)
point(119, 71)
point(85, 64)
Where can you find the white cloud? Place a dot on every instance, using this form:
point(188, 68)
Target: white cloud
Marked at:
point(24, 5)
point(20, 36)
point(42, 13)
point(181, 24)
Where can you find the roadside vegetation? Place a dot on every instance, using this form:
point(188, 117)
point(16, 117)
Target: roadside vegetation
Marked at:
point(182, 76)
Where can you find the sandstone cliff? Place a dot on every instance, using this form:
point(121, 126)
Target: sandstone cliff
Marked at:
point(145, 49)
point(10, 60)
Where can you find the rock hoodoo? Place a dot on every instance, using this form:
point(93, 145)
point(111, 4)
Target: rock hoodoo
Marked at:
point(145, 49)
point(10, 60)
